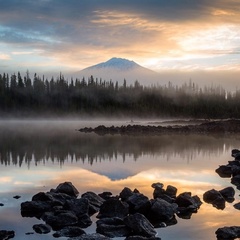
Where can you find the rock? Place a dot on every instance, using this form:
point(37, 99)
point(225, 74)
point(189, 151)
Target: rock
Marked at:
point(94, 200)
point(138, 203)
point(79, 206)
point(84, 221)
point(17, 197)
point(94, 236)
point(235, 170)
point(60, 220)
point(142, 238)
point(185, 200)
point(112, 227)
point(237, 206)
point(162, 210)
point(228, 194)
point(140, 225)
point(113, 208)
point(1, 204)
point(228, 233)
point(29, 233)
point(125, 194)
point(224, 171)
point(235, 180)
point(35, 208)
point(42, 228)
point(171, 191)
point(236, 154)
point(4, 234)
point(71, 231)
point(67, 188)
point(158, 190)
point(105, 195)
point(215, 198)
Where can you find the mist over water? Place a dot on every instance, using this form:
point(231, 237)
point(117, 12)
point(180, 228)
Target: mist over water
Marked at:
point(38, 155)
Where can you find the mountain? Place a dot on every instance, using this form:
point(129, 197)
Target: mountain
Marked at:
point(118, 69)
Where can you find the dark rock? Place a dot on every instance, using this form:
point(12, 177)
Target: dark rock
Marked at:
point(60, 220)
point(228, 194)
point(42, 228)
point(79, 206)
point(4, 234)
point(140, 225)
point(35, 208)
point(84, 221)
point(105, 195)
point(94, 236)
point(17, 197)
point(112, 227)
point(158, 190)
point(67, 188)
point(125, 194)
point(234, 163)
point(237, 206)
point(42, 196)
point(235, 180)
point(228, 233)
point(142, 238)
point(235, 170)
point(1, 204)
point(224, 171)
point(215, 198)
point(139, 203)
point(160, 224)
point(71, 231)
point(113, 208)
point(236, 154)
point(171, 191)
point(162, 210)
point(95, 202)
point(29, 233)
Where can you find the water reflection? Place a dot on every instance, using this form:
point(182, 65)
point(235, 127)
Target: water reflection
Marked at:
point(37, 156)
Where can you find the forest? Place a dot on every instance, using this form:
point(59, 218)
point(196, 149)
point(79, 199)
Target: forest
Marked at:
point(26, 96)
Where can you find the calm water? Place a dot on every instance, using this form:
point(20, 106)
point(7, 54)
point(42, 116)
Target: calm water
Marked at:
point(38, 155)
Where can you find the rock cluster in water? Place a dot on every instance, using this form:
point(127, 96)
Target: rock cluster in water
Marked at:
point(218, 198)
point(129, 214)
point(221, 126)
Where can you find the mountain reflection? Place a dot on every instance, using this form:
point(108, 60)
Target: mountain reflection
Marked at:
point(18, 147)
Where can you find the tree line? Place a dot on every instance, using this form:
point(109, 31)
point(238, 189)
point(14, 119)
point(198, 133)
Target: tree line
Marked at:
point(93, 96)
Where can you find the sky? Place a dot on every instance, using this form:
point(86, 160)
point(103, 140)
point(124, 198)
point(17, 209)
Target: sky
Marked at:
point(163, 35)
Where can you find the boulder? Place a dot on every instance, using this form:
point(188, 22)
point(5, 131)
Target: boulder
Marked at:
point(215, 198)
point(224, 171)
point(35, 208)
point(112, 227)
point(236, 154)
point(42, 228)
point(113, 208)
point(105, 195)
point(138, 203)
point(185, 200)
point(171, 191)
point(140, 225)
point(71, 231)
point(59, 220)
point(235, 180)
point(79, 206)
point(228, 194)
point(158, 190)
point(125, 194)
point(94, 200)
point(4, 234)
point(228, 233)
point(162, 210)
point(67, 188)
point(237, 206)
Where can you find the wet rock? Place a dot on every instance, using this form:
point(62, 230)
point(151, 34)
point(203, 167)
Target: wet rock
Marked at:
point(112, 227)
point(138, 203)
point(237, 206)
point(71, 231)
point(4, 234)
point(67, 188)
point(113, 208)
point(17, 197)
point(224, 171)
point(59, 220)
point(228, 194)
point(42, 228)
point(235, 180)
point(215, 198)
point(105, 195)
point(185, 200)
point(79, 206)
point(158, 190)
point(94, 236)
point(228, 233)
point(94, 200)
point(171, 191)
point(236, 154)
point(125, 194)
point(35, 208)
point(140, 225)
point(162, 210)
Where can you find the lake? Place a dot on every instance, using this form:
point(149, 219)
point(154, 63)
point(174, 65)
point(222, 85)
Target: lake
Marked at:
point(37, 155)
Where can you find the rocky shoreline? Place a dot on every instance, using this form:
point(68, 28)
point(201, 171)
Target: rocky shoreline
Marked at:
point(219, 126)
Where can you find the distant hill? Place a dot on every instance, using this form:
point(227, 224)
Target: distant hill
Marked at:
point(118, 69)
